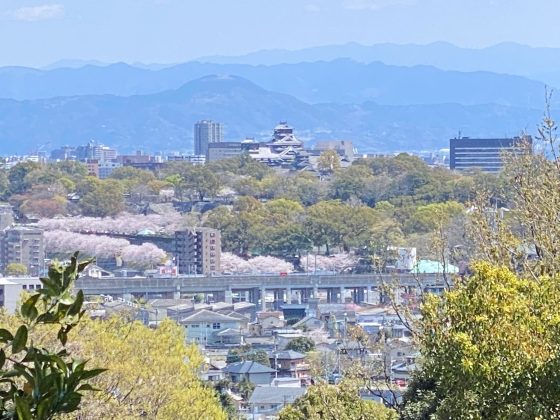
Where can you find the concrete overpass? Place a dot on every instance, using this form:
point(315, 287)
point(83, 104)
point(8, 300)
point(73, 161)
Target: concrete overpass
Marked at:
point(362, 288)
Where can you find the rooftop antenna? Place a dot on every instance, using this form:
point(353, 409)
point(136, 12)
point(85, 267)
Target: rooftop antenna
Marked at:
point(459, 135)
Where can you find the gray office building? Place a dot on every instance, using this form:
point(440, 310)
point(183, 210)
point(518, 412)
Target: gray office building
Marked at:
point(484, 154)
point(206, 132)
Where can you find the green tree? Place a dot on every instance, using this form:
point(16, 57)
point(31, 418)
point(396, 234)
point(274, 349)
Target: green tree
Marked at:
point(427, 218)
point(71, 168)
point(324, 223)
point(40, 383)
point(104, 199)
point(4, 185)
point(245, 388)
point(198, 180)
point(16, 269)
point(301, 344)
point(233, 356)
point(329, 162)
point(335, 402)
point(351, 182)
point(490, 349)
point(259, 356)
point(17, 175)
point(132, 178)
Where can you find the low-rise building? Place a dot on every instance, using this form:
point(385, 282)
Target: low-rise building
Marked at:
point(11, 288)
point(250, 371)
point(203, 327)
point(290, 364)
point(267, 401)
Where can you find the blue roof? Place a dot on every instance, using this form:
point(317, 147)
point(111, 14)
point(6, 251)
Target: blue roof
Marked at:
point(433, 267)
point(248, 367)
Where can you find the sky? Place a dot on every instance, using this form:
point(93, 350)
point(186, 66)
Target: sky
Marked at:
point(37, 33)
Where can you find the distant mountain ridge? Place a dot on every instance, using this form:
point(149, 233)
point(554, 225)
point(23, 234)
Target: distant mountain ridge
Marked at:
point(164, 120)
point(338, 81)
point(383, 97)
point(539, 63)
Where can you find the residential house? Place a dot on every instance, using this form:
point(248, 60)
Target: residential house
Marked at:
point(249, 371)
point(243, 320)
point(401, 373)
point(286, 382)
point(267, 401)
point(309, 323)
point(212, 371)
point(283, 337)
point(289, 363)
point(270, 320)
point(203, 326)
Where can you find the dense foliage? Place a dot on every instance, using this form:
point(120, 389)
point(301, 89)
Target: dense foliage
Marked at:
point(491, 349)
point(360, 209)
point(43, 382)
point(335, 402)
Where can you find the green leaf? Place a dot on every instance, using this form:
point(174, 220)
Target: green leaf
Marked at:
point(5, 336)
point(84, 264)
point(88, 374)
point(77, 305)
point(42, 408)
point(20, 339)
point(22, 409)
point(51, 285)
point(87, 387)
point(29, 304)
point(62, 336)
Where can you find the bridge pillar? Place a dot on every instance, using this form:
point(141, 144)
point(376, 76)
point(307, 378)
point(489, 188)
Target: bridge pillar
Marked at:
point(288, 295)
point(278, 297)
point(359, 295)
point(370, 297)
point(263, 299)
point(315, 292)
point(177, 293)
point(247, 296)
point(228, 298)
point(342, 294)
point(253, 296)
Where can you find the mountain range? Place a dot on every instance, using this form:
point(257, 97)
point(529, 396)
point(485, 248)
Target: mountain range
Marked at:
point(164, 120)
point(540, 63)
point(383, 97)
point(338, 81)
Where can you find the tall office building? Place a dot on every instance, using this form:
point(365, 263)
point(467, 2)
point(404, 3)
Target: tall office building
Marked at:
point(206, 132)
point(198, 251)
point(484, 154)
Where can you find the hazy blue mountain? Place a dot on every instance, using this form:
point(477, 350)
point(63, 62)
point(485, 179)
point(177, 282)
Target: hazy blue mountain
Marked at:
point(75, 64)
point(508, 57)
point(164, 121)
point(340, 81)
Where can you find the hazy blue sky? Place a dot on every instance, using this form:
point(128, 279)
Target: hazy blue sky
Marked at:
point(34, 32)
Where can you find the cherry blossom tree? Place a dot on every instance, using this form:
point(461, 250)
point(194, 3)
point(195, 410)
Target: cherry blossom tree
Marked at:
point(335, 262)
point(60, 242)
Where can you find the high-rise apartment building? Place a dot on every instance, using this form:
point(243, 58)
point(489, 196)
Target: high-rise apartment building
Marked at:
point(206, 132)
point(484, 154)
point(23, 245)
point(198, 251)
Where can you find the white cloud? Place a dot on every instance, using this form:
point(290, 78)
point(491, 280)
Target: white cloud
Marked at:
point(36, 13)
point(374, 4)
